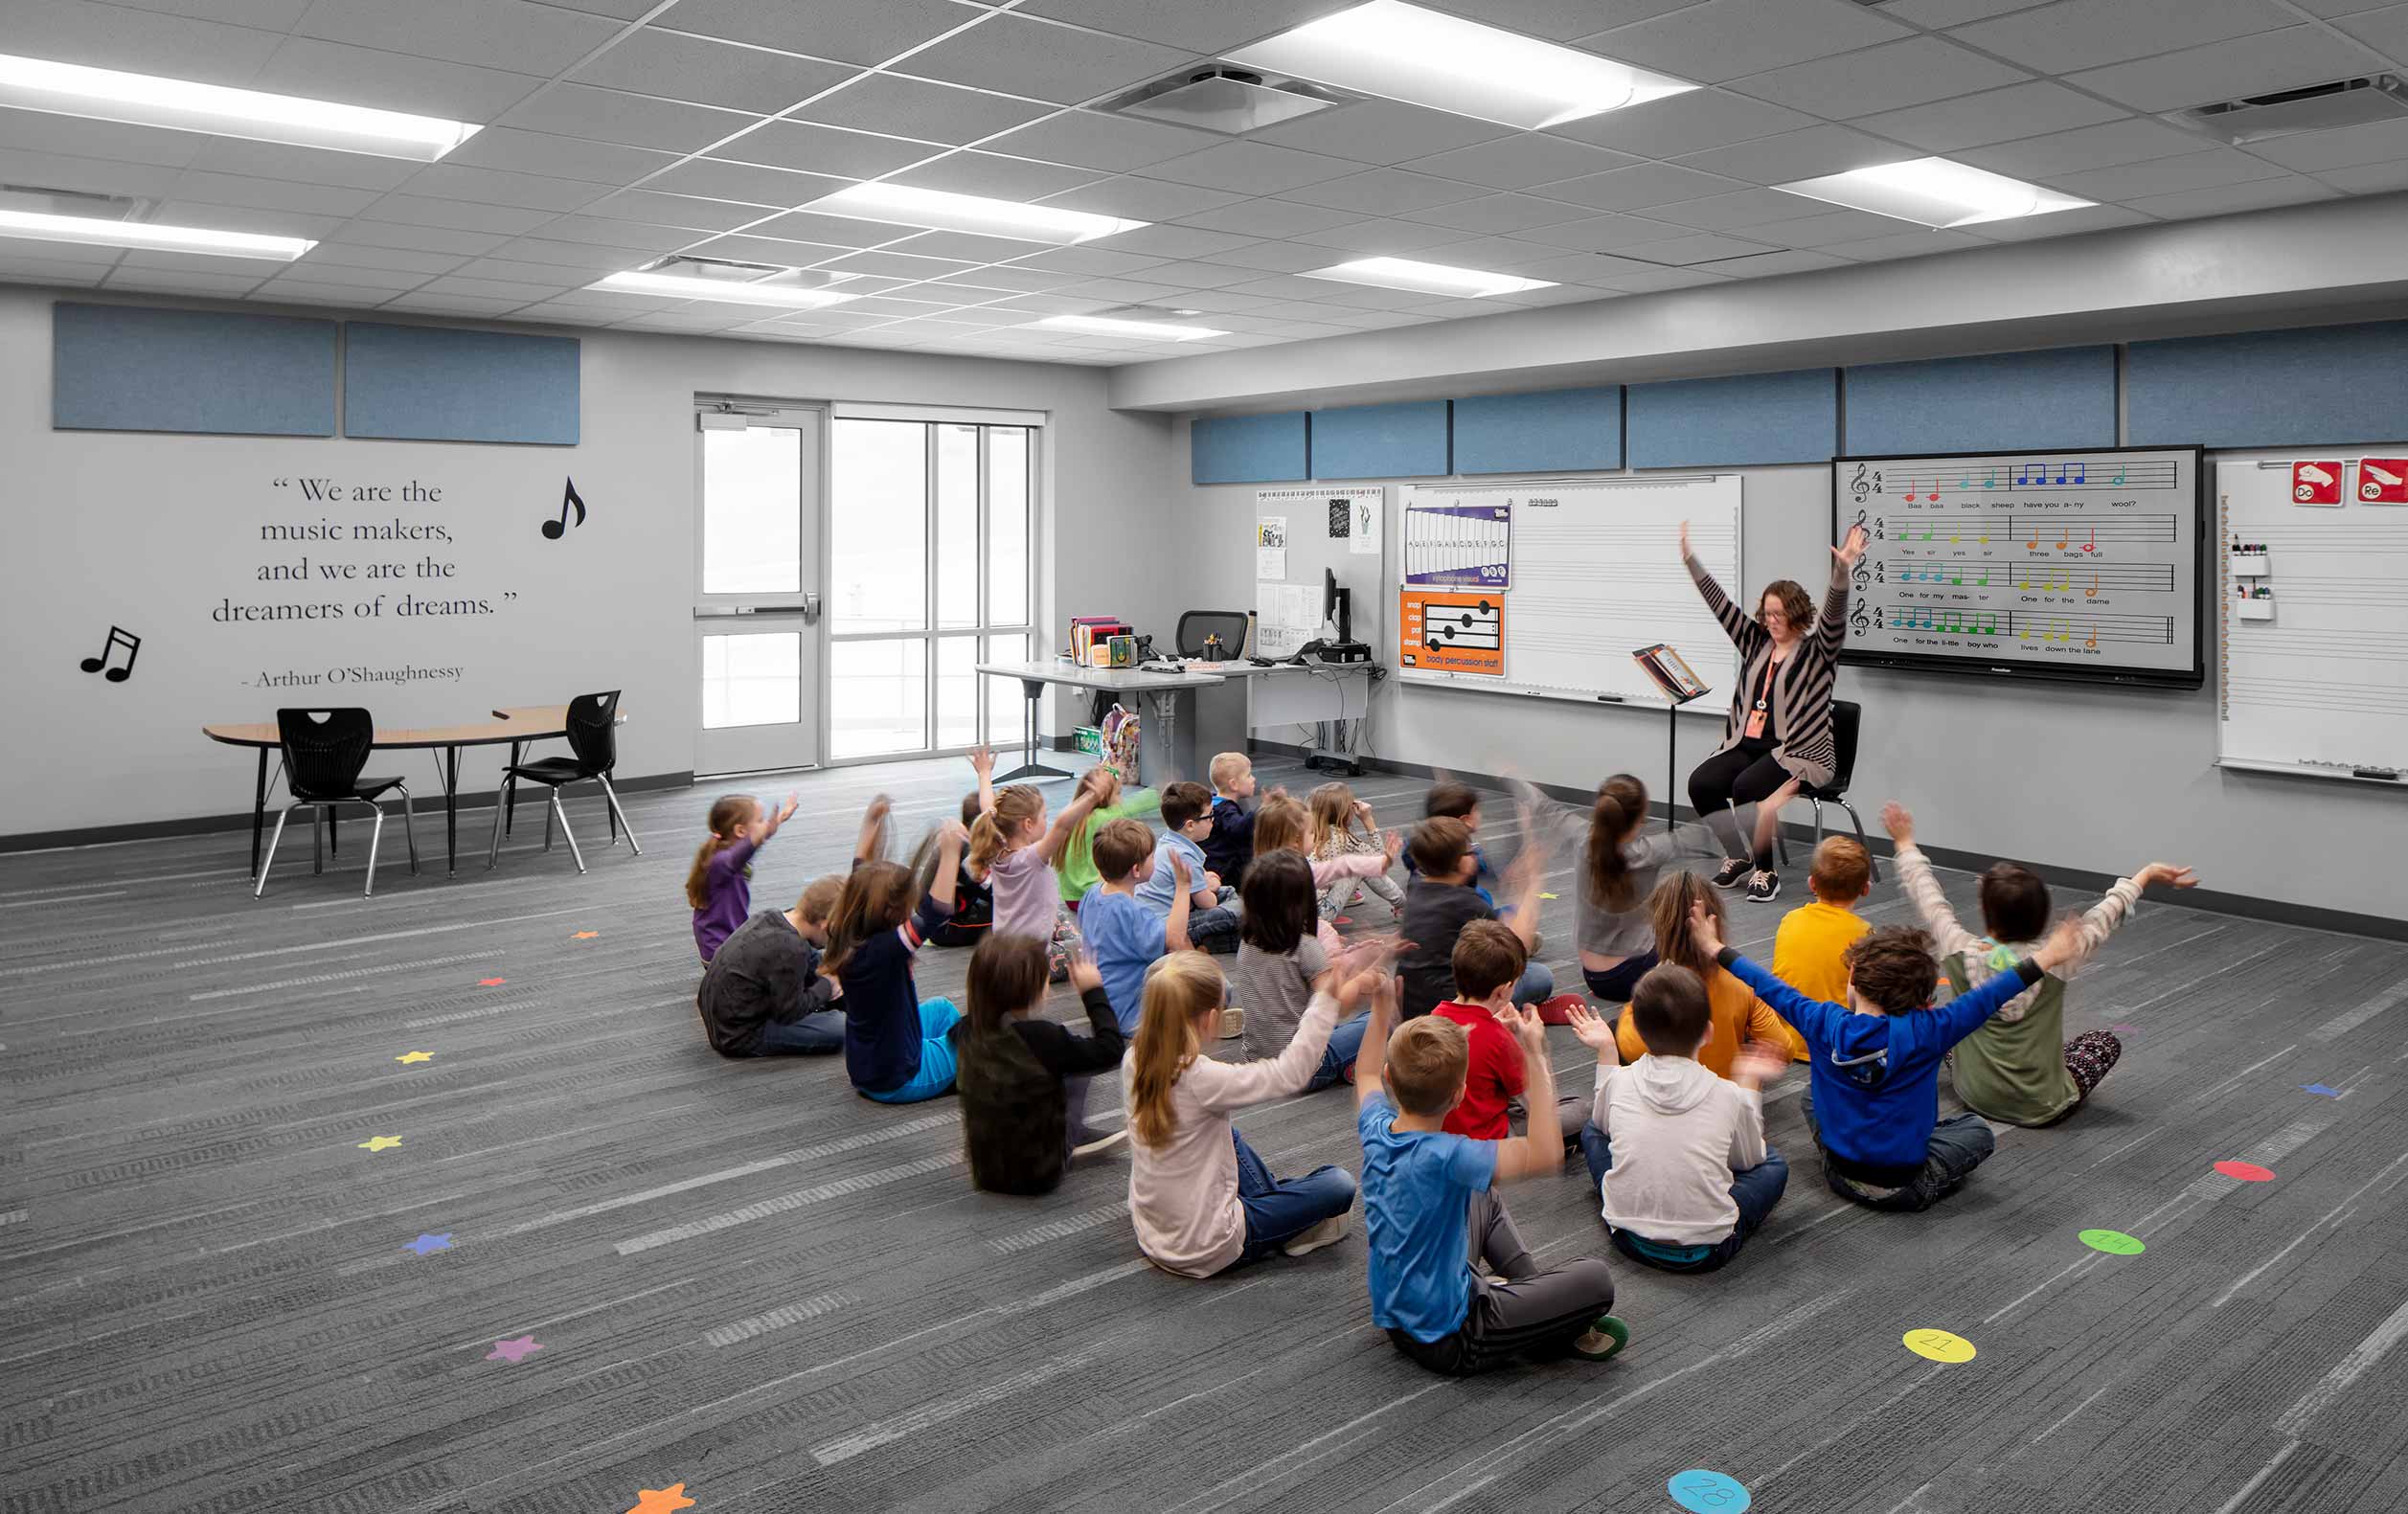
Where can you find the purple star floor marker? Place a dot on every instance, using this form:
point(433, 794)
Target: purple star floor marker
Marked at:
point(512, 1352)
point(430, 1243)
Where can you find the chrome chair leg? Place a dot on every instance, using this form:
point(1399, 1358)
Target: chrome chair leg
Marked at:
point(317, 838)
point(1818, 821)
point(564, 817)
point(374, 838)
point(494, 852)
point(612, 795)
point(547, 819)
point(259, 886)
point(1860, 837)
point(409, 825)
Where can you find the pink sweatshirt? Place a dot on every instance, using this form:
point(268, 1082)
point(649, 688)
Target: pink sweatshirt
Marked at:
point(1329, 870)
point(1183, 1194)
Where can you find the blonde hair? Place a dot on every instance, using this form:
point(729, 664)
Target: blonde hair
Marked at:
point(1178, 988)
point(729, 814)
point(1333, 806)
point(1428, 1058)
point(1281, 826)
point(1229, 767)
point(819, 899)
point(991, 833)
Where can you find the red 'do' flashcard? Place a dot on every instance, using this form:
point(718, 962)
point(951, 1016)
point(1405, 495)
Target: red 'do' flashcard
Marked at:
point(2316, 483)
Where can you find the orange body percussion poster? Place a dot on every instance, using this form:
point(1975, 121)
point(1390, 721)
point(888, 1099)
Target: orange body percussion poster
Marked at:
point(1453, 632)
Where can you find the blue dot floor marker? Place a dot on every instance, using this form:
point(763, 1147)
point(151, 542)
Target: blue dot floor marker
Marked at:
point(1704, 1492)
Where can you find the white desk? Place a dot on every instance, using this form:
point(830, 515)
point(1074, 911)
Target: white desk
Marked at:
point(1207, 707)
point(1167, 724)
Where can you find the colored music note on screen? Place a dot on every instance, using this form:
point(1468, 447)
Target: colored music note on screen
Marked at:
point(2082, 472)
point(2092, 545)
point(2092, 593)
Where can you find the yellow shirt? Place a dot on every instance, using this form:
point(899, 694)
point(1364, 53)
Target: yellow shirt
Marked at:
point(1737, 1015)
point(1807, 953)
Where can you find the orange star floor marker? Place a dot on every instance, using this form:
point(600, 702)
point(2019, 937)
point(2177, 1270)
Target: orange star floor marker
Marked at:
point(584, 936)
point(661, 1500)
point(492, 982)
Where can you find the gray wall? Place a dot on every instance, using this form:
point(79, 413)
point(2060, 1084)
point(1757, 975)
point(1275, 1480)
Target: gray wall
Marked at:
point(2061, 775)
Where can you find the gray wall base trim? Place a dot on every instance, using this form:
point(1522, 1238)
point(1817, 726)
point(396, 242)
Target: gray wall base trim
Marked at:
point(2279, 911)
point(206, 824)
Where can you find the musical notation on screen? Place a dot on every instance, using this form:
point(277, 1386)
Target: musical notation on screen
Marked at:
point(1990, 478)
point(2078, 629)
point(2089, 580)
point(1471, 626)
point(2032, 532)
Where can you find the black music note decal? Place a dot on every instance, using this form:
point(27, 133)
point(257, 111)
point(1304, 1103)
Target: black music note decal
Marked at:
point(118, 636)
point(556, 528)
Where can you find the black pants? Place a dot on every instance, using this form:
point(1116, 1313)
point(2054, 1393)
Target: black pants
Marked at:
point(1744, 775)
point(1532, 1314)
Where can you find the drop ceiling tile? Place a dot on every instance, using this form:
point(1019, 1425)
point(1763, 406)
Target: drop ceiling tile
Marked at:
point(2086, 34)
point(1640, 185)
point(998, 282)
point(1951, 12)
point(1576, 268)
point(1719, 212)
point(2225, 199)
point(418, 238)
point(744, 183)
point(2100, 147)
point(512, 270)
point(592, 257)
point(554, 157)
point(1282, 287)
point(400, 258)
point(364, 75)
point(95, 175)
point(1726, 39)
point(2191, 171)
point(1824, 227)
point(1603, 232)
point(109, 36)
point(1495, 254)
point(288, 290)
point(273, 195)
point(634, 120)
point(1913, 72)
point(673, 209)
point(169, 261)
point(912, 107)
point(1292, 257)
point(248, 218)
point(1170, 241)
point(1221, 302)
point(995, 176)
point(1022, 56)
point(1124, 291)
point(1142, 199)
point(497, 187)
point(1771, 264)
point(1379, 131)
point(1091, 140)
point(1521, 160)
point(389, 280)
point(1372, 237)
point(1996, 114)
point(274, 160)
point(811, 148)
point(594, 231)
point(1803, 155)
point(1086, 261)
point(964, 246)
point(70, 137)
point(2368, 178)
point(833, 231)
point(1042, 304)
point(2317, 152)
point(883, 304)
point(1268, 219)
point(896, 265)
point(467, 215)
point(2262, 64)
point(159, 281)
point(852, 31)
point(1250, 168)
point(511, 34)
point(2385, 30)
point(674, 65)
point(1184, 24)
point(460, 305)
point(1699, 247)
point(1917, 243)
point(1384, 192)
point(1683, 123)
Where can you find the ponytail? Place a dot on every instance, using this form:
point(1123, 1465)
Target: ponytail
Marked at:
point(1621, 808)
point(1180, 986)
point(991, 833)
point(728, 815)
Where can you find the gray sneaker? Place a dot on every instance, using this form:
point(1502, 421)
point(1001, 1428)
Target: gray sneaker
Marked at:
point(1735, 871)
point(1764, 887)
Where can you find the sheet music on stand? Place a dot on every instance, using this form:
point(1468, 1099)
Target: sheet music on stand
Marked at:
point(1670, 672)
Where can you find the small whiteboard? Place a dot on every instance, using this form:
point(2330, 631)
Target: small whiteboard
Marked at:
point(2315, 659)
point(1546, 586)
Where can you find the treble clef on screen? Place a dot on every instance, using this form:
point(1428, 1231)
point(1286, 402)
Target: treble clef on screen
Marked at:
point(1860, 484)
point(1858, 620)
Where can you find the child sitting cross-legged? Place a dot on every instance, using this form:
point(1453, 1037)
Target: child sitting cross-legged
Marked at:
point(896, 1048)
point(1279, 958)
point(1014, 1070)
point(1075, 866)
point(1283, 825)
point(2017, 1067)
point(1738, 1016)
point(1187, 819)
point(973, 897)
point(1489, 960)
point(1875, 1073)
point(763, 994)
point(1810, 949)
point(718, 887)
point(1677, 1153)
point(1202, 1200)
point(1619, 869)
point(1012, 851)
point(1442, 899)
point(1451, 1281)
point(1336, 816)
point(1125, 936)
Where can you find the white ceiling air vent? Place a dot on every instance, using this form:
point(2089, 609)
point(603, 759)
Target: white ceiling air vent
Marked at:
point(1148, 312)
point(38, 200)
point(2317, 107)
point(727, 270)
point(1230, 101)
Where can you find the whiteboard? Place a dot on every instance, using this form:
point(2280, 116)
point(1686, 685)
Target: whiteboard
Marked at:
point(2070, 565)
point(2320, 685)
point(1546, 586)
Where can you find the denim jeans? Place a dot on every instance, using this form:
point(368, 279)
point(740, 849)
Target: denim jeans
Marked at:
point(1279, 1210)
point(1958, 1145)
point(812, 1035)
point(1535, 983)
point(1755, 1191)
point(1214, 930)
point(1345, 1042)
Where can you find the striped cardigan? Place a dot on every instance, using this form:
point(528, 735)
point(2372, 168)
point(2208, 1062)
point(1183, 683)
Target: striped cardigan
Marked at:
point(1801, 690)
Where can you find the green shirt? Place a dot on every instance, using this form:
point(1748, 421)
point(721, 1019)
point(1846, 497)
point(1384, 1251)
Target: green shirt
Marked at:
point(2014, 1071)
point(1077, 871)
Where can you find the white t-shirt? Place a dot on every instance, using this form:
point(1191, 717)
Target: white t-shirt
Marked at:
point(1678, 1132)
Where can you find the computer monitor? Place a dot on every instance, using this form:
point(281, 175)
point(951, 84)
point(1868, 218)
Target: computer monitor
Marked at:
point(1337, 609)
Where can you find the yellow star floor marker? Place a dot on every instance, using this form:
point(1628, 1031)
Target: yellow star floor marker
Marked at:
point(380, 1142)
point(416, 1056)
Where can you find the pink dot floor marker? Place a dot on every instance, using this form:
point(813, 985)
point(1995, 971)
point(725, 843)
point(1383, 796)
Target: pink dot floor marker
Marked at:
point(2245, 1172)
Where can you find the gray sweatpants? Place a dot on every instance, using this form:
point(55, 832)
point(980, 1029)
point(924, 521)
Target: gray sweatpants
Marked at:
point(1530, 1314)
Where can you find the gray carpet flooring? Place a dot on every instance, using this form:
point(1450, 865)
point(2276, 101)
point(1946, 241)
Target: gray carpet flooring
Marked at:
point(741, 1278)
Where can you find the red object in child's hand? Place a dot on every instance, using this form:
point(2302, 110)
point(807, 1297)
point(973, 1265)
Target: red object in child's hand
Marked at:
point(1558, 1009)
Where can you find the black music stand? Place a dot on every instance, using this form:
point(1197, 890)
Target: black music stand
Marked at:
point(1672, 677)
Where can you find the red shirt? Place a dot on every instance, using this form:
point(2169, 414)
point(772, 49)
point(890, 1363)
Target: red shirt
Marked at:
point(1493, 1077)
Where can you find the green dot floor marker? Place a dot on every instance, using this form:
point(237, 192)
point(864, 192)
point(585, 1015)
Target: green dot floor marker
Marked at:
point(2115, 1243)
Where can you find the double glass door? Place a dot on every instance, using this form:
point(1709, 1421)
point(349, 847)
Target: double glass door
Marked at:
point(756, 596)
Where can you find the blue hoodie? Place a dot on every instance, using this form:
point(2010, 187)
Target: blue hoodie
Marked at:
point(1876, 1077)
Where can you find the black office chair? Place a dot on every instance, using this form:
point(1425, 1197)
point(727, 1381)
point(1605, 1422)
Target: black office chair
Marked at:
point(1846, 717)
point(593, 731)
point(1230, 625)
point(324, 753)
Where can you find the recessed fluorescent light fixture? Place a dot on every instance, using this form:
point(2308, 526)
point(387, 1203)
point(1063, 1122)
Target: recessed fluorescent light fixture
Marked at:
point(1154, 331)
point(1934, 191)
point(97, 232)
point(146, 100)
point(943, 211)
point(1426, 58)
point(1426, 278)
point(674, 286)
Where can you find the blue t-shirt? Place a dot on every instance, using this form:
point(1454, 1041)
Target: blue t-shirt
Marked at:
point(1125, 937)
point(881, 1003)
point(1416, 1195)
point(1161, 888)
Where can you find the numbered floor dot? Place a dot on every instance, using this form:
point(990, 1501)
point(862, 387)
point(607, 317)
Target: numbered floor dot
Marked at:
point(1704, 1492)
point(2246, 1171)
point(1939, 1346)
point(2115, 1243)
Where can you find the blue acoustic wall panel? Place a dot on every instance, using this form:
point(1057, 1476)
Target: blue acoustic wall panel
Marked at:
point(1757, 418)
point(2324, 384)
point(2062, 397)
point(1561, 431)
point(432, 383)
point(1380, 442)
point(1248, 449)
point(126, 367)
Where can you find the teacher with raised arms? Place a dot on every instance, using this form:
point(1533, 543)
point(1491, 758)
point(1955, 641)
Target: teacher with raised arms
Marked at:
point(1779, 738)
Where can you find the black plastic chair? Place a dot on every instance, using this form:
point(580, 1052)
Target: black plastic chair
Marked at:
point(324, 751)
point(1230, 625)
point(593, 733)
point(1847, 718)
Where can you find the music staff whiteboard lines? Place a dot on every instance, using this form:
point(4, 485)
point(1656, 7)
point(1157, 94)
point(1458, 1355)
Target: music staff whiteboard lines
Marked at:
point(2319, 687)
point(2060, 565)
point(1593, 572)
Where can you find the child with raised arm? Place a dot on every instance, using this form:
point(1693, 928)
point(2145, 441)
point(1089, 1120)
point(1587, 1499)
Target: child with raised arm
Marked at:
point(763, 994)
point(2016, 1066)
point(1125, 936)
point(1442, 900)
point(1810, 949)
point(719, 886)
point(1202, 1200)
point(1186, 820)
point(1677, 1154)
point(1015, 1071)
point(1343, 827)
point(895, 1046)
point(974, 899)
point(1451, 1281)
point(1075, 866)
point(1737, 1015)
point(1013, 851)
point(1875, 1074)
